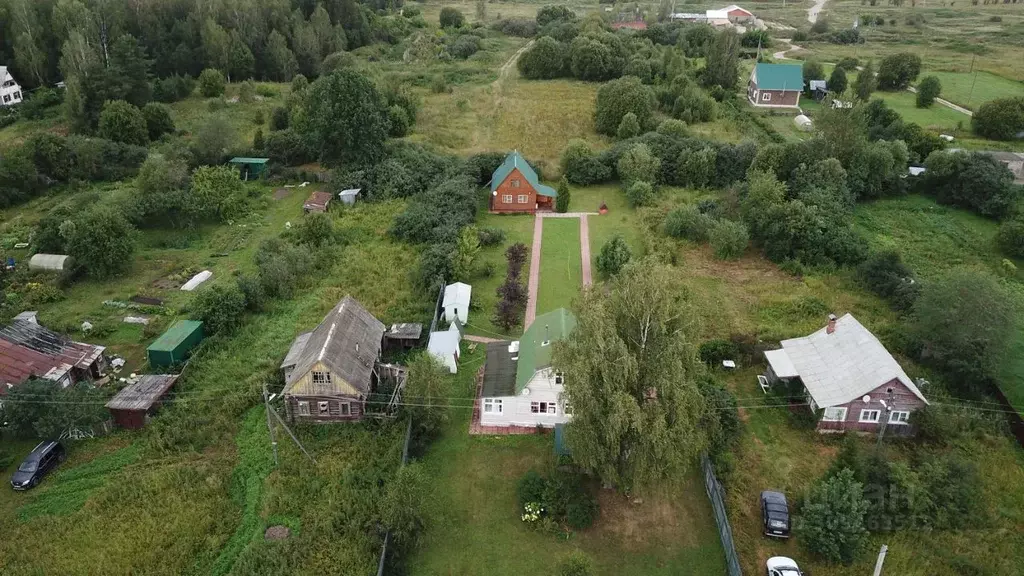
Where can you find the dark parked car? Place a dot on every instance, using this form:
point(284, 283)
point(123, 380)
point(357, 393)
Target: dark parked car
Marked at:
point(775, 514)
point(43, 458)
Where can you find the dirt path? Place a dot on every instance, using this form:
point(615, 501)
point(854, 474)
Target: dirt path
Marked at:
point(533, 283)
point(585, 250)
point(781, 54)
point(813, 11)
point(480, 339)
point(946, 103)
point(506, 70)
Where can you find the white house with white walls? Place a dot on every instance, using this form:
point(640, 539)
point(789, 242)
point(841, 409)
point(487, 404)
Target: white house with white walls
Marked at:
point(520, 387)
point(10, 91)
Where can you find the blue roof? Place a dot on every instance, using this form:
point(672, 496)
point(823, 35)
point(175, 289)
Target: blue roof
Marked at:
point(515, 160)
point(779, 76)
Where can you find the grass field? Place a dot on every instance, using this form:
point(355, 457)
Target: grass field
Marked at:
point(620, 220)
point(560, 266)
point(971, 89)
point(473, 526)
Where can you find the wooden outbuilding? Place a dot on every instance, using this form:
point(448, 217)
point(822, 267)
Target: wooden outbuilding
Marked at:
point(133, 406)
point(317, 202)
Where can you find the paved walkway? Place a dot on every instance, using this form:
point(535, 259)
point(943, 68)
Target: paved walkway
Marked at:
point(534, 281)
point(481, 339)
point(813, 11)
point(585, 250)
point(946, 103)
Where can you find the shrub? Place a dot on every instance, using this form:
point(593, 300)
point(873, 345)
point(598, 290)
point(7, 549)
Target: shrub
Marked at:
point(974, 181)
point(173, 88)
point(279, 118)
point(530, 488)
point(158, 120)
point(464, 46)
point(102, 241)
point(398, 120)
point(247, 92)
point(696, 168)
point(640, 193)
point(547, 58)
point(619, 97)
point(288, 148)
point(564, 196)
point(211, 83)
point(638, 164)
point(832, 518)
point(316, 230)
point(519, 27)
point(886, 275)
point(122, 122)
point(800, 36)
point(220, 307)
point(613, 256)
point(576, 564)
point(581, 166)
point(689, 223)
point(549, 14)
point(928, 89)
point(451, 18)
point(848, 63)
point(629, 127)
point(713, 352)
point(999, 119)
point(490, 235)
point(1010, 238)
point(728, 239)
point(673, 128)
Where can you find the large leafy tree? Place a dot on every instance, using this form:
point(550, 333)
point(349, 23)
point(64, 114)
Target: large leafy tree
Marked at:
point(619, 97)
point(346, 119)
point(102, 241)
point(974, 181)
point(40, 408)
point(631, 375)
point(866, 82)
point(722, 67)
point(999, 119)
point(897, 71)
point(832, 518)
point(123, 122)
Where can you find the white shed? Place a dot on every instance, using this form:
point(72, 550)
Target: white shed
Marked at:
point(803, 122)
point(49, 262)
point(444, 346)
point(456, 302)
point(348, 196)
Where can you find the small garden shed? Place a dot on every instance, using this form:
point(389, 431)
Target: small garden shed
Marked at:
point(173, 346)
point(250, 168)
point(135, 403)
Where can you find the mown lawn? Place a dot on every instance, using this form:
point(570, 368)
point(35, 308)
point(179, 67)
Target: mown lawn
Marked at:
point(561, 274)
point(472, 525)
point(621, 219)
point(971, 89)
point(518, 228)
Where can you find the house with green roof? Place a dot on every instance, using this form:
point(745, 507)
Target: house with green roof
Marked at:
point(520, 386)
point(776, 85)
point(515, 187)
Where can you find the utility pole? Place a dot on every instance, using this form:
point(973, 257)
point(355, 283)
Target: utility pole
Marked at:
point(973, 81)
point(270, 425)
point(288, 430)
point(881, 560)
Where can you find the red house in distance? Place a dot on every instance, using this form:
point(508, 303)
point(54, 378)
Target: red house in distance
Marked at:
point(515, 188)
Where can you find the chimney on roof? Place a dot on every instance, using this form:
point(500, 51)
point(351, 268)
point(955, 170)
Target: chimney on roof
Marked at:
point(831, 324)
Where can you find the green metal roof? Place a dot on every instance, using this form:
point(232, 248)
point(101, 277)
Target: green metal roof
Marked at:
point(535, 345)
point(243, 160)
point(779, 76)
point(179, 331)
point(515, 160)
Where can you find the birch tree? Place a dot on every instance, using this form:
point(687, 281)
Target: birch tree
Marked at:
point(631, 377)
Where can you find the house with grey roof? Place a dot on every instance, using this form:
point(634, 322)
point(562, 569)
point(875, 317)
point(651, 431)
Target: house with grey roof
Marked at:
point(851, 381)
point(516, 188)
point(330, 372)
point(520, 386)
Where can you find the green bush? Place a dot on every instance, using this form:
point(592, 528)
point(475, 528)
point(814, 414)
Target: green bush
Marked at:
point(629, 127)
point(999, 119)
point(279, 118)
point(220, 307)
point(122, 122)
point(1010, 238)
point(464, 46)
point(158, 120)
point(831, 520)
point(689, 223)
point(638, 164)
point(530, 488)
point(211, 83)
point(640, 194)
point(928, 89)
point(619, 97)
point(728, 239)
point(576, 564)
point(451, 18)
point(673, 128)
point(546, 59)
point(713, 352)
point(885, 274)
point(615, 253)
point(897, 71)
point(491, 235)
point(581, 166)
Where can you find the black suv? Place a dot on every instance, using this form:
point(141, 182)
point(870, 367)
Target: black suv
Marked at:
point(775, 513)
point(39, 463)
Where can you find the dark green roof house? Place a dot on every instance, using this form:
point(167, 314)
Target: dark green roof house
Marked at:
point(515, 187)
point(174, 345)
point(776, 85)
point(520, 386)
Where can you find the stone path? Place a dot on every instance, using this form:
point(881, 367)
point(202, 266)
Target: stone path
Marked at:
point(585, 250)
point(813, 11)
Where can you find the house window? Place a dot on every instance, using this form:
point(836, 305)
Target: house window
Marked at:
point(543, 407)
point(834, 414)
point(552, 408)
point(899, 417)
point(492, 406)
point(766, 96)
point(303, 408)
point(567, 408)
point(869, 416)
point(346, 408)
point(506, 198)
point(321, 381)
point(7, 98)
point(559, 378)
point(523, 198)
point(323, 407)
point(17, 95)
point(515, 183)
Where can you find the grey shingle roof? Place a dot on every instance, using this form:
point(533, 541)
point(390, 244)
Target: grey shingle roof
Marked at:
point(843, 366)
point(500, 371)
point(144, 393)
point(347, 342)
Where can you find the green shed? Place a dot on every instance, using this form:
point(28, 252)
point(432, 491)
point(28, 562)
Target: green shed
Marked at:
point(250, 168)
point(174, 345)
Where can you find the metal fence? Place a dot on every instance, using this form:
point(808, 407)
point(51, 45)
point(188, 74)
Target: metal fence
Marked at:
point(387, 537)
point(717, 496)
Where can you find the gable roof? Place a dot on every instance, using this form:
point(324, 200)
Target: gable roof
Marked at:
point(735, 8)
point(499, 371)
point(458, 295)
point(347, 341)
point(513, 161)
point(535, 345)
point(779, 76)
point(840, 367)
point(18, 364)
point(49, 343)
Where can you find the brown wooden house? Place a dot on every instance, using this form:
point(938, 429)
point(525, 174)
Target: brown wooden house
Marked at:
point(776, 85)
point(329, 372)
point(133, 406)
point(515, 187)
point(851, 380)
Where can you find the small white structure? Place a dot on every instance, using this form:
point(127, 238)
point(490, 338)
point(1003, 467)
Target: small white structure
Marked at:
point(803, 122)
point(947, 137)
point(717, 17)
point(27, 316)
point(196, 280)
point(915, 170)
point(444, 346)
point(348, 196)
point(456, 302)
point(49, 262)
point(520, 386)
point(10, 91)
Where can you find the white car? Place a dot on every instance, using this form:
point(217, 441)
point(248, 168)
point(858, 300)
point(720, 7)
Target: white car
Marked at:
point(782, 566)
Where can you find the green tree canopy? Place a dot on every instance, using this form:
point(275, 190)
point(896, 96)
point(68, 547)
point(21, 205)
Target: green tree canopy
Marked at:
point(999, 119)
point(451, 18)
point(346, 119)
point(631, 375)
point(897, 71)
point(123, 122)
point(928, 89)
point(614, 254)
point(837, 82)
point(866, 82)
point(722, 68)
point(832, 518)
point(619, 97)
point(102, 241)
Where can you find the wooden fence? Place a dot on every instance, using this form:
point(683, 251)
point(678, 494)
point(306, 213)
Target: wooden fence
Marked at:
point(717, 496)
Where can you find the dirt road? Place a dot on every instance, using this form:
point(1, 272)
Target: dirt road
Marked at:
point(813, 11)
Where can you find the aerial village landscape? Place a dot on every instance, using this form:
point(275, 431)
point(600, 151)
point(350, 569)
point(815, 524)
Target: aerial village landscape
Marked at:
point(497, 288)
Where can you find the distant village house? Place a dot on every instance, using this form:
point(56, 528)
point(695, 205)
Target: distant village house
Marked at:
point(10, 91)
point(775, 85)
